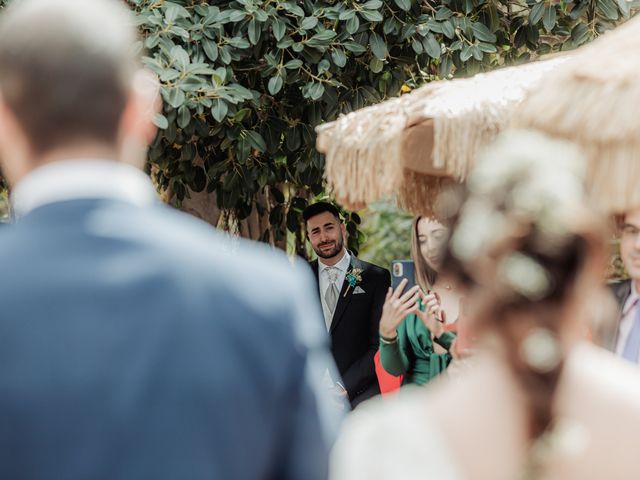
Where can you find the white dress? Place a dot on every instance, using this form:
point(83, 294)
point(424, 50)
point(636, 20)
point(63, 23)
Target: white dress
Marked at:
point(392, 439)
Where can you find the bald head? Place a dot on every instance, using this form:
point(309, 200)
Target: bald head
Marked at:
point(66, 69)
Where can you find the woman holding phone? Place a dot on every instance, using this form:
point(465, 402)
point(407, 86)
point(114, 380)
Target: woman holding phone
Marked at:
point(415, 327)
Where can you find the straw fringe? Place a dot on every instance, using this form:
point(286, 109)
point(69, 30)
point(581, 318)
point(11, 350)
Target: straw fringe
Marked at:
point(593, 102)
point(365, 154)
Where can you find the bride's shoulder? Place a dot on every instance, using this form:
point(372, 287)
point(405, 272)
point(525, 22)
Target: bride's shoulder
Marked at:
point(391, 438)
point(608, 378)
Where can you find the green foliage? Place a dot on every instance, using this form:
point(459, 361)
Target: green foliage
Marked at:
point(245, 82)
point(388, 234)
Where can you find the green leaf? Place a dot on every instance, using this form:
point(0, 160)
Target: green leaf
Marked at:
point(448, 30)
point(609, 9)
point(293, 64)
point(432, 46)
point(372, 15)
point(225, 55)
point(324, 35)
point(210, 49)
point(160, 121)
point(372, 5)
point(175, 97)
point(466, 53)
point(219, 109)
point(378, 46)
point(313, 90)
point(536, 13)
point(275, 84)
point(443, 13)
point(253, 31)
point(323, 66)
point(180, 57)
point(293, 8)
point(354, 47)
point(236, 16)
point(347, 15)
point(549, 18)
point(477, 52)
point(580, 34)
point(403, 4)
point(339, 58)
point(169, 75)
point(416, 44)
point(239, 42)
point(376, 65)
point(309, 23)
point(353, 24)
point(184, 116)
point(256, 140)
point(278, 28)
point(482, 33)
point(487, 47)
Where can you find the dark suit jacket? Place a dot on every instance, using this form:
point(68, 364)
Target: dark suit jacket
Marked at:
point(137, 343)
point(354, 330)
point(621, 291)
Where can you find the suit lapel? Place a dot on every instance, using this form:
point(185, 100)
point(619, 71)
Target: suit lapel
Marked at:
point(343, 301)
point(621, 293)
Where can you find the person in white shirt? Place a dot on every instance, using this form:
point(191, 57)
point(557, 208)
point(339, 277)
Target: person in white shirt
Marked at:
point(627, 333)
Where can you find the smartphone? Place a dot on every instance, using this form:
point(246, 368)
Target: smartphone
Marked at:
point(403, 269)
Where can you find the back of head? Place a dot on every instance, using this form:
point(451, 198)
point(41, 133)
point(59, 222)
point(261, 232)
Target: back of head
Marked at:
point(529, 250)
point(66, 67)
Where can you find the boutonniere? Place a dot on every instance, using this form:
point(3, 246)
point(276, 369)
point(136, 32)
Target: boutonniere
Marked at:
point(353, 278)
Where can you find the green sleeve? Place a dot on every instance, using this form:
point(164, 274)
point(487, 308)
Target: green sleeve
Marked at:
point(393, 357)
point(445, 340)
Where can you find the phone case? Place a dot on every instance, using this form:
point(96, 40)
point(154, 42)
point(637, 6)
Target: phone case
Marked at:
point(403, 269)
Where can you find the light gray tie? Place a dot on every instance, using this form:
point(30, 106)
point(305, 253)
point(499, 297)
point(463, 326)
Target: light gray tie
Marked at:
point(332, 293)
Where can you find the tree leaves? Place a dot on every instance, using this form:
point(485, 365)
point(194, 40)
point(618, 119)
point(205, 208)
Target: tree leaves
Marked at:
point(378, 46)
point(244, 82)
point(549, 17)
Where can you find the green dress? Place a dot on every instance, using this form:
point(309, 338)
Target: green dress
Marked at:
point(412, 355)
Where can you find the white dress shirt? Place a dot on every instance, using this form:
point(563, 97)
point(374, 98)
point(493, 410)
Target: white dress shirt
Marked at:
point(628, 318)
point(81, 179)
point(323, 280)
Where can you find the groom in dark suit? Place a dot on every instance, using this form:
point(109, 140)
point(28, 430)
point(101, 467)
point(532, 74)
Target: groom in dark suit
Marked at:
point(352, 293)
point(135, 342)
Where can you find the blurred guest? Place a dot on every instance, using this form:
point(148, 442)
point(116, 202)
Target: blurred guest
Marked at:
point(133, 343)
point(414, 339)
point(538, 402)
point(352, 293)
point(627, 333)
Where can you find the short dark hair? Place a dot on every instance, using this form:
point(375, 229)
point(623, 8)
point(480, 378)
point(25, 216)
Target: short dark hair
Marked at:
point(66, 69)
point(318, 208)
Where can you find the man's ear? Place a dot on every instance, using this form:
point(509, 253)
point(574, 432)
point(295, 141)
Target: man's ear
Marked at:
point(343, 227)
point(142, 105)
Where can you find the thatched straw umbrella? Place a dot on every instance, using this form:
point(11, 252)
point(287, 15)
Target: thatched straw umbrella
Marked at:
point(594, 101)
point(413, 145)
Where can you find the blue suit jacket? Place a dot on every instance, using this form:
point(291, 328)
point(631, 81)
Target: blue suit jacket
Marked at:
point(138, 343)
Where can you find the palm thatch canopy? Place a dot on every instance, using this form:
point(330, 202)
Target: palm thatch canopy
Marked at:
point(413, 145)
point(595, 102)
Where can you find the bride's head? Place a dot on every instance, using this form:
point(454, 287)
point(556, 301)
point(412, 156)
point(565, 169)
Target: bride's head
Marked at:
point(529, 253)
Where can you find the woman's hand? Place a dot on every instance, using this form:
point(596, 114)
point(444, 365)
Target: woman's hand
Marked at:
point(433, 315)
point(397, 306)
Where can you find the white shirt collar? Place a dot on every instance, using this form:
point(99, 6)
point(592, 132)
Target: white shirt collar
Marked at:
point(342, 265)
point(81, 179)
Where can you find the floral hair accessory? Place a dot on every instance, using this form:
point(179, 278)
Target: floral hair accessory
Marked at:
point(353, 278)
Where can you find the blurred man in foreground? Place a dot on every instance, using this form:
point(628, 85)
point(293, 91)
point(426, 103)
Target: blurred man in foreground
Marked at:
point(132, 345)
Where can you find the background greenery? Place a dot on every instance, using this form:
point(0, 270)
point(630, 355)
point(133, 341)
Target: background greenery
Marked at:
point(245, 82)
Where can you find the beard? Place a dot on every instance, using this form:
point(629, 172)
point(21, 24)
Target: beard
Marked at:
point(336, 248)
